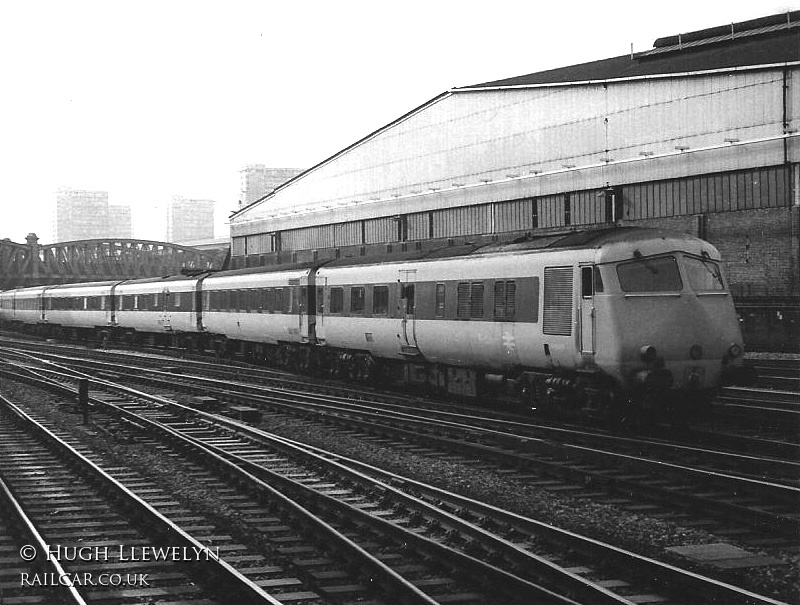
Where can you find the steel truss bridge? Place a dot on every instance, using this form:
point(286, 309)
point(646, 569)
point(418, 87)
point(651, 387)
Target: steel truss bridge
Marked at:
point(32, 264)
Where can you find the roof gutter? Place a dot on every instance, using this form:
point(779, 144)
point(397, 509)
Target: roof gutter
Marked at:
point(684, 74)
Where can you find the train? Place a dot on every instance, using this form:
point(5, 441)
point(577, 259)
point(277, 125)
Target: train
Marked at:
point(617, 323)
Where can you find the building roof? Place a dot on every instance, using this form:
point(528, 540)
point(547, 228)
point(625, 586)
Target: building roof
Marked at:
point(766, 41)
point(770, 40)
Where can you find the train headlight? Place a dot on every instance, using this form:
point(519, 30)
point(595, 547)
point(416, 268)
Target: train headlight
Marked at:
point(696, 352)
point(648, 353)
point(735, 350)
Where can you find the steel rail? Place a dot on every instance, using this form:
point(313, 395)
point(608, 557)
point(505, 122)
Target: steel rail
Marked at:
point(67, 594)
point(245, 589)
point(665, 573)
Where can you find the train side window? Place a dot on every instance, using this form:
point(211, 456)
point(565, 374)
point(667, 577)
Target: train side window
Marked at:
point(439, 301)
point(279, 300)
point(587, 282)
point(337, 300)
point(462, 304)
point(407, 293)
point(288, 300)
point(598, 280)
point(505, 294)
point(476, 300)
point(380, 300)
point(357, 300)
point(535, 300)
point(320, 300)
point(469, 300)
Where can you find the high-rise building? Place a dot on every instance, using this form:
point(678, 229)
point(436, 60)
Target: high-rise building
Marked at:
point(120, 222)
point(258, 180)
point(83, 214)
point(190, 219)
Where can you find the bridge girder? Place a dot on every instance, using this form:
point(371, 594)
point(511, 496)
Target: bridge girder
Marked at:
point(97, 260)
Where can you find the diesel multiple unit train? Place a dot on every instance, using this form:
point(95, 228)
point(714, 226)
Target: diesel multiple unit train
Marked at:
point(609, 322)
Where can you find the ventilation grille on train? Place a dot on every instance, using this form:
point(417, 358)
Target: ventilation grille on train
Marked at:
point(557, 301)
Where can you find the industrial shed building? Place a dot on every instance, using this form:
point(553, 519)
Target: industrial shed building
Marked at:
point(699, 134)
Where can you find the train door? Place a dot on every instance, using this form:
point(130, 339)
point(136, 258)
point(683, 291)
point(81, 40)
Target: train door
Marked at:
point(407, 304)
point(298, 305)
point(321, 286)
point(587, 310)
point(308, 300)
point(166, 315)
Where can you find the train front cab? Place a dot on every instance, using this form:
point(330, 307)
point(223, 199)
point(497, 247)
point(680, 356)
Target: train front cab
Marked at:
point(665, 328)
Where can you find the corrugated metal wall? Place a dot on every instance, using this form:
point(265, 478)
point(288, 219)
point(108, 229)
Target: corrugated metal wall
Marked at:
point(419, 226)
point(380, 230)
point(551, 211)
point(587, 208)
point(348, 234)
point(515, 215)
point(471, 220)
point(742, 190)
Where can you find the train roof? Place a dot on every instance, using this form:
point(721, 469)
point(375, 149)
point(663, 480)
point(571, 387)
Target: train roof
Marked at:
point(595, 238)
point(266, 269)
point(564, 240)
point(620, 238)
point(93, 284)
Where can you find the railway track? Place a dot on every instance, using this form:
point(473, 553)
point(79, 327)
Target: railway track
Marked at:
point(112, 546)
point(18, 532)
point(759, 490)
point(435, 567)
point(778, 384)
point(212, 439)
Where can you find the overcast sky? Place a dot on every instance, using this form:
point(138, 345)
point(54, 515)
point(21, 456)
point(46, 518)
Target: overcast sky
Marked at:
point(150, 99)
